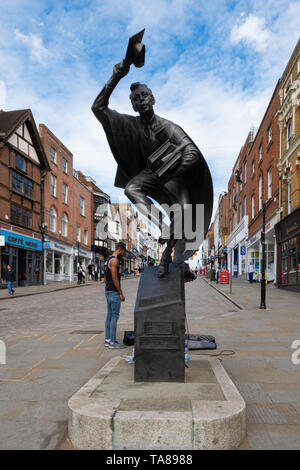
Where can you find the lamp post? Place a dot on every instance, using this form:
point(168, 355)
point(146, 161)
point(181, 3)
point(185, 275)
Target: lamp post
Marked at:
point(263, 261)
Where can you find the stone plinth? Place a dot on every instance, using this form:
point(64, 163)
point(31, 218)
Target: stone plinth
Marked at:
point(159, 323)
point(113, 412)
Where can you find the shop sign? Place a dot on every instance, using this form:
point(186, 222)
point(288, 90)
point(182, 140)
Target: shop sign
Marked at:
point(224, 277)
point(2, 240)
point(17, 239)
point(243, 250)
point(253, 239)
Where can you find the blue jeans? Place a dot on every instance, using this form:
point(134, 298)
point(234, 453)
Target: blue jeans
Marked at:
point(113, 311)
point(250, 277)
point(9, 286)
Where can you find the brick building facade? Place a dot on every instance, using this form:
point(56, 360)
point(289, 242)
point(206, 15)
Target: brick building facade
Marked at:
point(67, 215)
point(263, 184)
point(23, 166)
point(288, 229)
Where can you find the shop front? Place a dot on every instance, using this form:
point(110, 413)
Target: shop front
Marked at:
point(81, 257)
point(24, 255)
point(254, 250)
point(57, 261)
point(236, 247)
point(288, 259)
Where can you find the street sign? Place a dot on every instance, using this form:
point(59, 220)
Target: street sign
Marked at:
point(243, 250)
point(2, 240)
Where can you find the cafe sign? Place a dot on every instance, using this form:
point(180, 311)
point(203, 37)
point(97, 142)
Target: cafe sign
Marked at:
point(17, 239)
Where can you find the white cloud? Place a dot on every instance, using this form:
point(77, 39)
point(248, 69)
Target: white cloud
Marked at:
point(252, 31)
point(34, 43)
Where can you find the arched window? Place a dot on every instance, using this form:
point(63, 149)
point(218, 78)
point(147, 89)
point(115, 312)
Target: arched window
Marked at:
point(53, 220)
point(64, 225)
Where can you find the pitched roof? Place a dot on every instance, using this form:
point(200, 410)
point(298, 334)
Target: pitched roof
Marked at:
point(11, 120)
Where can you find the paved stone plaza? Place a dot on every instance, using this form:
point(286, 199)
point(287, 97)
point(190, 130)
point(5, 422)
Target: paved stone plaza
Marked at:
point(54, 342)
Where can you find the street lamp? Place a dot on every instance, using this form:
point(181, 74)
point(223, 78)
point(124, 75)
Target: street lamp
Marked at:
point(263, 261)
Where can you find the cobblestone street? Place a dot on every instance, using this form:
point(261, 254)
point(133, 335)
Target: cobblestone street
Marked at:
point(55, 341)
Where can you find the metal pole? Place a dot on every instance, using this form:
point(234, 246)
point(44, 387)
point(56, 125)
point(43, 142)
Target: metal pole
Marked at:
point(263, 262)
point(230, 272)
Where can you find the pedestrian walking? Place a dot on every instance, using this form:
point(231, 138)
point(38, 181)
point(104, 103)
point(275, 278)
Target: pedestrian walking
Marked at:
point(250, 272)
point(10, 278)
point(96, 269)
point(90, 270)
point(235, 270)
point(80, 275)
point(114, 295)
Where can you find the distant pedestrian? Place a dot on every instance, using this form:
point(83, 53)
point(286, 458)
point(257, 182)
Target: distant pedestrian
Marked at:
point(90, 270)
point(235, 270)
point(10, 278)
point(80, 275)
point(250, 272)
point(114, 295)
point(96, 269)
point(126, 273)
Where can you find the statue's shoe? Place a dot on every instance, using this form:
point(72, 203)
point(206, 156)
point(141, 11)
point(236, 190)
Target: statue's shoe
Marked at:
point(161, 271)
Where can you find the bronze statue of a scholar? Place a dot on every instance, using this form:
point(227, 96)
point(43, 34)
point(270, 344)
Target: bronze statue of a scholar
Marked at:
point(155, 157)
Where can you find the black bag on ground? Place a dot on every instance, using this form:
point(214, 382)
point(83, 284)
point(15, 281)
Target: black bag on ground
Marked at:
point(128, 338)
point(200, 342)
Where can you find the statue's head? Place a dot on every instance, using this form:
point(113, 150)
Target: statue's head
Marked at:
point(142, 99)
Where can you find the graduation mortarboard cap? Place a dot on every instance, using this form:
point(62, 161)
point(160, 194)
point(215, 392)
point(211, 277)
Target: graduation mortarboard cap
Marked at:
point(135, 53)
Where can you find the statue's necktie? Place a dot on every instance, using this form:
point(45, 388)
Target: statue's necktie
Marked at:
point(149, 132)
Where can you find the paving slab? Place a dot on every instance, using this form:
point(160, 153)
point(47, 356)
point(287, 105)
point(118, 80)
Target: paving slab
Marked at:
point(111, 411)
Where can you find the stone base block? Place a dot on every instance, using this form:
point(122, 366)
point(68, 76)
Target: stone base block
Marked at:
point(111, 411)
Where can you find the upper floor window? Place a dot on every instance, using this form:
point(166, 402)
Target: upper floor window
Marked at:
point(22, 184)
point(245, 205)
point(269, 183)
point(64, 225)
point(53, 185)
point(289, 196)
point(65, 194)
point(288, 133)
point(245, 173)
point(21, 163)
point(252, 207)
point(20, 216)
point(82, 206)
point(260, 193)
point(64, 165)
point(253, 168)
point(53, 155)
point(78, 234)
point(260, 153)
point(85, 237)
point(270, 134)
point(53, 219)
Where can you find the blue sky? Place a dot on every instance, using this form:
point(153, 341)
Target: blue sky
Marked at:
point(212, 67)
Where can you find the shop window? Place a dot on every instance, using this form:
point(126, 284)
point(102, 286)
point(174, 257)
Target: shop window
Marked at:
point(292, 262)
point(49, 262)
point(21, 163)
point(57, 263)
point(284, 262)
point(66, 265)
